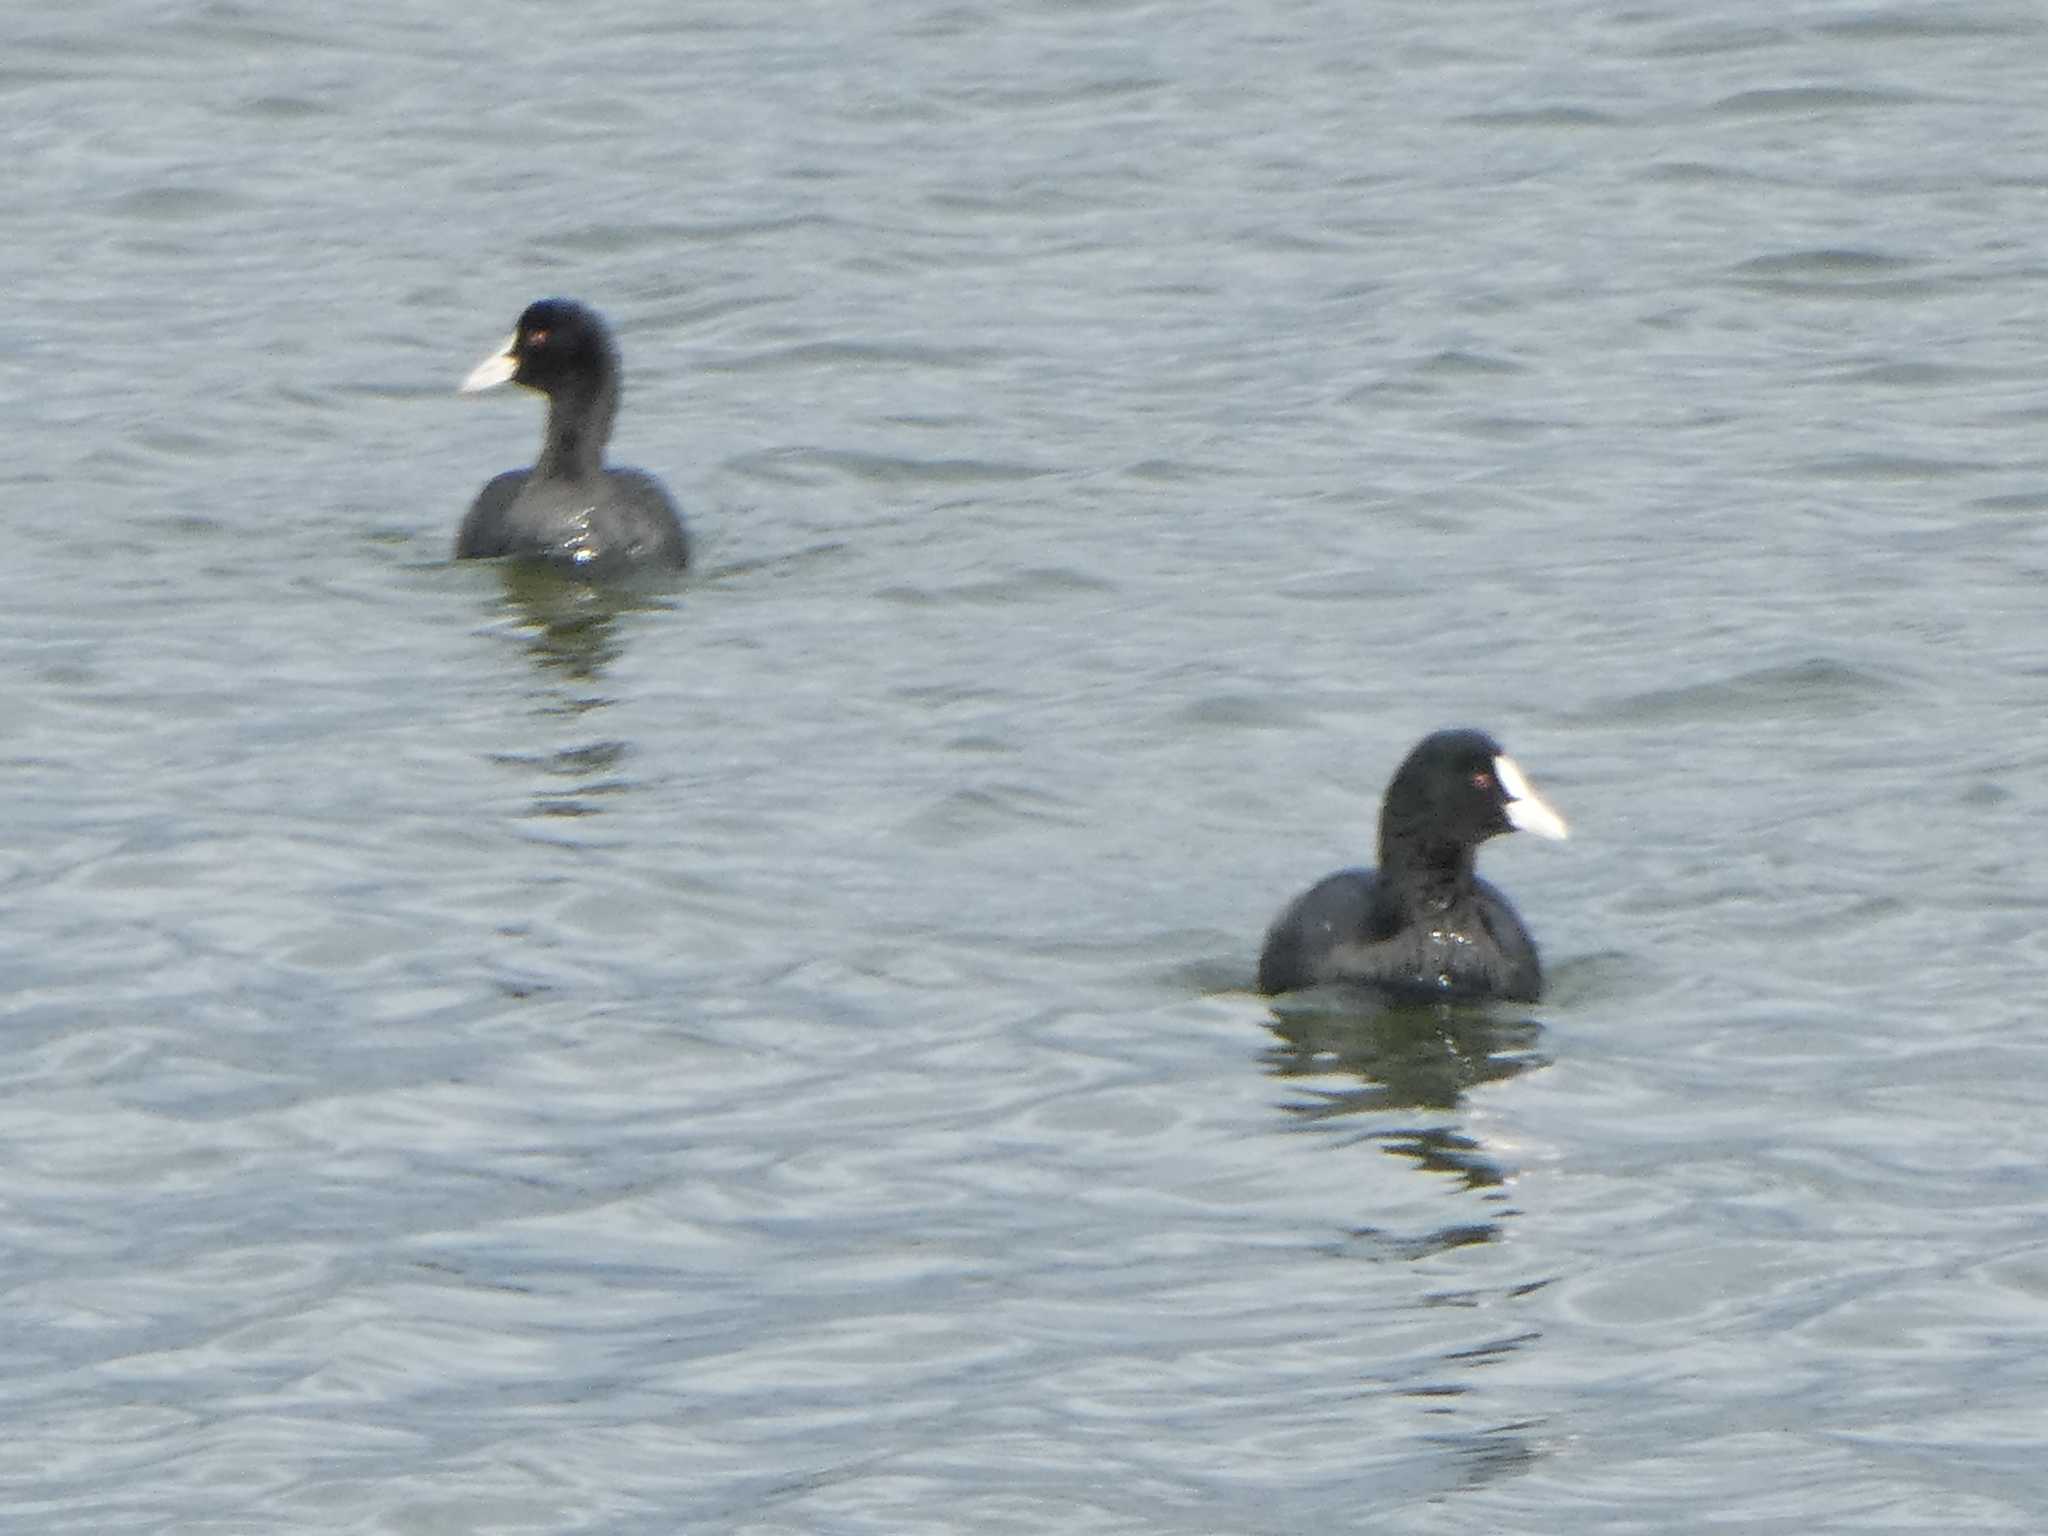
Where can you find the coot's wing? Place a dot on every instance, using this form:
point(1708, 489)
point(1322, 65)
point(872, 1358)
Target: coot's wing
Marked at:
point(647, 525)
point(486, 533)
point(1335, 911)
point(1513, 971)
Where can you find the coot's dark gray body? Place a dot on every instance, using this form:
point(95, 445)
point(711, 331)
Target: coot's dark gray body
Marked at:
point(1348, 927)
point(569, 510)
point(1423, 923)
point(620, 520)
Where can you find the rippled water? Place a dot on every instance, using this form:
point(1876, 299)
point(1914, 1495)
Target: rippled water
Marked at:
point(773, 1056)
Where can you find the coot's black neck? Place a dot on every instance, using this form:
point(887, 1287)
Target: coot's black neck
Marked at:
point(579, 425)
point(1425, 875)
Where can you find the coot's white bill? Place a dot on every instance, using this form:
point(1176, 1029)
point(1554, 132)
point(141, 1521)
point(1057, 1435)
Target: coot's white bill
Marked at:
point(1526, 810)
point(494, 370)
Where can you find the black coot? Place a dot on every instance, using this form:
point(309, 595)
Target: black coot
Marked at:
point(1423, 922)
point(569, 510)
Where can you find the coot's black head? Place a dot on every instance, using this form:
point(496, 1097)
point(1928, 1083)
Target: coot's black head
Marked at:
point(1457, 789)
point(559, 345)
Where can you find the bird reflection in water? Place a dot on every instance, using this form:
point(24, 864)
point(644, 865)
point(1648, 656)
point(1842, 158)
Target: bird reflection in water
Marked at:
point(1409, 1066)
point(1406, 1056)
point(572, 633)
point(571, 626)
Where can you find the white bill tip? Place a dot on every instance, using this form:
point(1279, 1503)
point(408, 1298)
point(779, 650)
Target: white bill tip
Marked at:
point(494, 370)
point(1526, 810)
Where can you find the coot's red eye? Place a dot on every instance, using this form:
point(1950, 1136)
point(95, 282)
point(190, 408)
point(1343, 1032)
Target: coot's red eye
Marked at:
point(1482, 780)
point(536, 338)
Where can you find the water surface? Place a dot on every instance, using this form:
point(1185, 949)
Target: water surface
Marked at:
point(773, 1056)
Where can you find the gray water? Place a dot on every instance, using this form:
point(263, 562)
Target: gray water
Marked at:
point(775, 1056)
